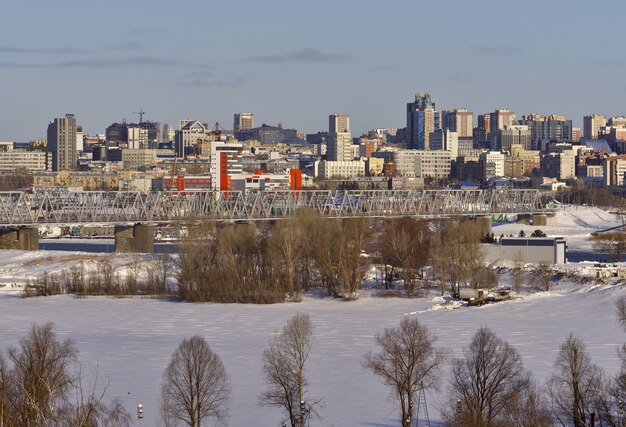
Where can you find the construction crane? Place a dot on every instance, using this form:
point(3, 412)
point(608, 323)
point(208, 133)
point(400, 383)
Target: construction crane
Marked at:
point(217, 131)
point(141, 113)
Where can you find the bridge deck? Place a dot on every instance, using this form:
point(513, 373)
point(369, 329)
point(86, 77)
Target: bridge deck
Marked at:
point(117, 207)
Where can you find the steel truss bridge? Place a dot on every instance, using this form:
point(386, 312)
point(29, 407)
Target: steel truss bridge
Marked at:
point(124, 207)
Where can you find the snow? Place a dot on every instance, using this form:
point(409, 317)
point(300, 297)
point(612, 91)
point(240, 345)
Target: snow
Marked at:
point(576, 223)
point(130, 340)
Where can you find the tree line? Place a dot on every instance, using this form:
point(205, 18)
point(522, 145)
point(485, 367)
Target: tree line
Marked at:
point(101, 277)
point(269, 262)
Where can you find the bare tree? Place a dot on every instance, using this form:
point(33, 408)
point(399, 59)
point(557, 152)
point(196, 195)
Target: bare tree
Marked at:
point(195, 385)
point(284, 364)
point(406, 362)
point(40, 377)
point(575, 388)
point(37, 382)
point(529, 410)
point(487, 381)
point(456, 253)
point(404, 243)
point(287, 245)
point(89, 408)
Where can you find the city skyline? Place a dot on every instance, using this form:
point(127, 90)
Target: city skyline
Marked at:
point(298, 63)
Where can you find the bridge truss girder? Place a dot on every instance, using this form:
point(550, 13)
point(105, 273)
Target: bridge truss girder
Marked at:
point(84, 207)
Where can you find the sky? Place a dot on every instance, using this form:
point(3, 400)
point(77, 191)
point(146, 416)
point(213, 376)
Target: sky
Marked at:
point(295, 62)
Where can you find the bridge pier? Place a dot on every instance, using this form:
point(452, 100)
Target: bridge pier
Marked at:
point(540, 220)
point(24, 238)
point(138, 238)
point(482, 222)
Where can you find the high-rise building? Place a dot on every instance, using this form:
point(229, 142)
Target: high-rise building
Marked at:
point(482, 131)
point(224, 164)
point(459, 120)
point(339, 138)
point(243, 121)
point(191, 134)
point(445, 140)
point(553, 127)
point(592, 125)
point(62, 143)
point(618, 121)
point(421, 120)
point(500, 118)
point(503, 139)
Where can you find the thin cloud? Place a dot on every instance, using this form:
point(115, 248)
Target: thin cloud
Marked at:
point(133, 61)
point(208, 79)
point(496, 51)
point(55, 50)
point(301, 55)
point(129, 45)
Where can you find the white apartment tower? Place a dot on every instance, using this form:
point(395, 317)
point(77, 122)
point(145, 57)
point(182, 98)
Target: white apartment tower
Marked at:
point(339, 138)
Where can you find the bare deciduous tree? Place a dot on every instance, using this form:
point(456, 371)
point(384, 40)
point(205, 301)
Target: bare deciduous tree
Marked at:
point(89, 408)
point(195, 385)
point(287, 245)
point(576, 386)
point(487, 380)
point(284, 364)
point(37, 381)
point(404, 243)
point(407, 361)
point(41, 375)
point(528, 410)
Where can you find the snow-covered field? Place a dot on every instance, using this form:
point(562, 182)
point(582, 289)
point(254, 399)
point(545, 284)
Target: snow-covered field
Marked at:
point(131, 340)
point(576, 223)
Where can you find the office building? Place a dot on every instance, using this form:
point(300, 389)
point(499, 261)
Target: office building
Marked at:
point(190, 134)
point(422, 119)
point(592, 125)
point(445, 140)
point(491, 165)
point(433, 164)
point(62, 143)
point(339, 138)
point(503, 139)
point(31, 161)
point(326, 169)
point(242, 122)
point(459, 120)
point(225, 163)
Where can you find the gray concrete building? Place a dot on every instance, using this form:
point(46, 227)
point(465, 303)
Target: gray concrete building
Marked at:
point(62, 143)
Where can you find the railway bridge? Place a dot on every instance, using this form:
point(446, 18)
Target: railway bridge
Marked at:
point(21, 212)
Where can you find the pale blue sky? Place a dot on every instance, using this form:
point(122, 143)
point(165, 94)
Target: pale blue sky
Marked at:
point(295, 62)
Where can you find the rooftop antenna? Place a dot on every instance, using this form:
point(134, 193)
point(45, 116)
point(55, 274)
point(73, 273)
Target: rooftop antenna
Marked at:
point(141, 113)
